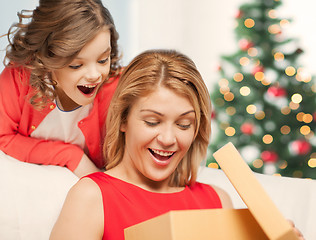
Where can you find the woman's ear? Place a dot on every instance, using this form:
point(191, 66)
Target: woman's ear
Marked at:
point(123, 127)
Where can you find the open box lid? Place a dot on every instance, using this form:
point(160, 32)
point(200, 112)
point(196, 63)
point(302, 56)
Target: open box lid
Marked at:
point(252, 193)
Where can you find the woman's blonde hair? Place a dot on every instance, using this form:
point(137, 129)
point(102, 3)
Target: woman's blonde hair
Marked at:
point(146, 72)
point(54, 33)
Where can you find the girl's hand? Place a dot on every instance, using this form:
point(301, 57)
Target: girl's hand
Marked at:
point(85, 167)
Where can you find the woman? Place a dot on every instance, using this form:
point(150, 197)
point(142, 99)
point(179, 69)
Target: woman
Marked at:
point(158, 128)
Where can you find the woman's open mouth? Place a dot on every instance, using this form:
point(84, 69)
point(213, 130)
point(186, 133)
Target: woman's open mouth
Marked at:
point(161, 157)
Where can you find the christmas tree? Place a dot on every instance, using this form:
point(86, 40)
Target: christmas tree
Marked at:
point(264, 102)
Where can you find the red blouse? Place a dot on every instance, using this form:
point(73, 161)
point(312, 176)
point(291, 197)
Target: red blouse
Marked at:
point(18, 119)
point(126, 204)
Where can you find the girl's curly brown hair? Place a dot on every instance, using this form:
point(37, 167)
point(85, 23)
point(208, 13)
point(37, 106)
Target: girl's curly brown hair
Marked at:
point(54, 33)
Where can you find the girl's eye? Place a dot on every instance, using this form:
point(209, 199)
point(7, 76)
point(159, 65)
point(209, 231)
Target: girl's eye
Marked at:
point(103, 61)
point(75, 66)
point(151, 123)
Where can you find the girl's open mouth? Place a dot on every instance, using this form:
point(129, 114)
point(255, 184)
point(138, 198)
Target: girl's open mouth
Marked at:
point(87, 89)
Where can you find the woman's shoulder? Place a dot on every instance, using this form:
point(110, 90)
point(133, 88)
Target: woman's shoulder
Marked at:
point(86, 190)
point(224, 197)
point(83, 206)
point(214, 190)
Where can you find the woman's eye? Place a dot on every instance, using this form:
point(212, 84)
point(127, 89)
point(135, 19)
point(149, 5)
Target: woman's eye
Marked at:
point(103, 61)
point(75, 66)
point(151, 123)
point(184, 126)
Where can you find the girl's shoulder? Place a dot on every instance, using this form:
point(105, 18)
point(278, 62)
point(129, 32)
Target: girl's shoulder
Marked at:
point(108, 88)
point(15, 74)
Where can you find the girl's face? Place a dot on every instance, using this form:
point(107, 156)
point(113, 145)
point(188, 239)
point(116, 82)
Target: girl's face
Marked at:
point(78, 83)
point(158, 133)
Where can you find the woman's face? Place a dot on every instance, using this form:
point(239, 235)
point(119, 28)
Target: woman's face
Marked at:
point(78, 83)
point(159, 131)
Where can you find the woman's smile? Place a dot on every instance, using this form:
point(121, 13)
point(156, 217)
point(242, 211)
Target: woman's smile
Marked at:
point(161, 157)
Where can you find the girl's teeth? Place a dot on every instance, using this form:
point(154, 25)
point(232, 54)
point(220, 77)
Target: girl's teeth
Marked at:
point(89, 86)
point(87, 89)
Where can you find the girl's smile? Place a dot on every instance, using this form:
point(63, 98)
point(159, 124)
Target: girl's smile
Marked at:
point(89, 89)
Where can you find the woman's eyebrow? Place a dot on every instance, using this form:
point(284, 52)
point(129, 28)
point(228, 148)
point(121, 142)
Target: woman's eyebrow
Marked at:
point(160, 114)
point(185, 113)
point(153, 111)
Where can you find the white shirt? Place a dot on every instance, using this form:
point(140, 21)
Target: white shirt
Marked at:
point(63, 126)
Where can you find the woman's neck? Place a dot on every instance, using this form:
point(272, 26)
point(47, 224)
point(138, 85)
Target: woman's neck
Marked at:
point(141, 181)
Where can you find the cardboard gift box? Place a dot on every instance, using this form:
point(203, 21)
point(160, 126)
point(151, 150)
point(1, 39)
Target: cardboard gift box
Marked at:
point(262, 219)
point(219, 224)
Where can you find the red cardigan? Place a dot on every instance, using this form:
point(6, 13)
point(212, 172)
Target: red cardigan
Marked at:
point(18, 119)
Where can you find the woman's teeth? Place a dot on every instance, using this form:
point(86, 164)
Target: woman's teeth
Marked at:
point(160, 157)
point(162, 153)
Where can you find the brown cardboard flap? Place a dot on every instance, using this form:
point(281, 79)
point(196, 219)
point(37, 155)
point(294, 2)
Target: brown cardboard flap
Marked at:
point(257, 200)
point(219, 224)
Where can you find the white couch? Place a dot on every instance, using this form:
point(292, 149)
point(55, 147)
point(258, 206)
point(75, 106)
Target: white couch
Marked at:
point(31, 197)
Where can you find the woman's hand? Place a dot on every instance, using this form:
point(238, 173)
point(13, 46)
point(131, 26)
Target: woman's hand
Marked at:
point(85, 167)
point(296, 231)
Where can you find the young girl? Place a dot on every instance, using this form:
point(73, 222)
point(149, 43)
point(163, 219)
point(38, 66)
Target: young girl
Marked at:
point(61, 72)
point(158, 129)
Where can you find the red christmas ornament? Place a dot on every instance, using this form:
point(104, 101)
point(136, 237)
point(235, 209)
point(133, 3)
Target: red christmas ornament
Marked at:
point(219, 68)
point(239, 14)
point(245, 44)
point(213, 114)
point(269, 156)
point(257, 69)
point(300, 147)
point(314, 116)
point(275, 91)
point(247, 128)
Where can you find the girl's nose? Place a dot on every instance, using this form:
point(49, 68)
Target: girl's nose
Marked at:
point(92, 73)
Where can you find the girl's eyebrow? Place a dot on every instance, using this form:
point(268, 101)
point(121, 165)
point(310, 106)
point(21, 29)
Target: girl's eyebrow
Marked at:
point(160, 114)
point(108, 50)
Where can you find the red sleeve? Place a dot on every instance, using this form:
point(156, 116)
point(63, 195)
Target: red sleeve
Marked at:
point(16, 116)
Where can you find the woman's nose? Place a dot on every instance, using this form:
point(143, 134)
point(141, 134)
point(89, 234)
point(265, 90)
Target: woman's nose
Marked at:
point(166, 137)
